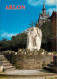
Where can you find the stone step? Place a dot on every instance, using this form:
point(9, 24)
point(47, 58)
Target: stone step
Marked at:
point(9, 69)
point(7, 64)
point(50, 65)
point(5, 61)
point(48, 68)
point(5, 67)
point(2, 57)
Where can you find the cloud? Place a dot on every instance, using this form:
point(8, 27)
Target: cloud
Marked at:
point(50, 10)
point(51, 2)
point(40, 2)
point(6, 34)
point(35, 2)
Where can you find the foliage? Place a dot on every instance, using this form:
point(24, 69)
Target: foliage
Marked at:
point(41, 50)
point(37, 25)
point(4, 39)
point(18, 41)
point(46, 31)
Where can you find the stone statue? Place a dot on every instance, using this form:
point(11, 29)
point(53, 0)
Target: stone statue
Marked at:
point(34, 37)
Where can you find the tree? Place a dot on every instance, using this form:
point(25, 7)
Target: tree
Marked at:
point(46, 32)
point(4, 39)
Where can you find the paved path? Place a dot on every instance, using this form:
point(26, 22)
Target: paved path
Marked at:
point(27, 72)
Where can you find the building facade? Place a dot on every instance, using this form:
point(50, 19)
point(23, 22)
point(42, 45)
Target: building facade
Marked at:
point(54, 29)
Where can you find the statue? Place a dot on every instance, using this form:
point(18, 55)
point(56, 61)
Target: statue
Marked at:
point(34, 37)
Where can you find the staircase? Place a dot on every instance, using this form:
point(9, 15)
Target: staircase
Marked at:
point(7, 66)
point(49, 67)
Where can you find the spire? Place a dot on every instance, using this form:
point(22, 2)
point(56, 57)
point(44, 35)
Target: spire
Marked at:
point(43, 5)
point(44, 10)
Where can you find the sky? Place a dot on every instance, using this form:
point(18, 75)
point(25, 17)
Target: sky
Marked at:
point(13, 22)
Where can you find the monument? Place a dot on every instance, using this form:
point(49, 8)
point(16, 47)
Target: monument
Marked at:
point(34, 37)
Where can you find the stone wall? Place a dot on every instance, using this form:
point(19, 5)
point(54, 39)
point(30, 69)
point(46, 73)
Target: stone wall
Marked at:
point(34, 61)
point(25, 59)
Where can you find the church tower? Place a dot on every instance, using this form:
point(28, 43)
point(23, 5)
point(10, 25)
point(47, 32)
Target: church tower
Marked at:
point(43, 16)
point(44, 10)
